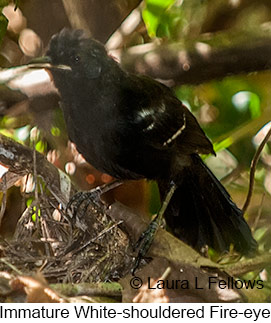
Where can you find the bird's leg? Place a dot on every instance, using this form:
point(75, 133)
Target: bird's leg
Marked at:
point(93, 196)
point(145, 240)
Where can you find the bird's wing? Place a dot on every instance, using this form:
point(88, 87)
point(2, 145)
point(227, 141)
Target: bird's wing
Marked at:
point(165, 121)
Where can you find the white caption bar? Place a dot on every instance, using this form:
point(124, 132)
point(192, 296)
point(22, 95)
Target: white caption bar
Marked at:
point(123, 312)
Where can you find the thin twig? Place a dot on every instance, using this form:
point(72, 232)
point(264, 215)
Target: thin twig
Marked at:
point(166, 273)
point(245, 266)
point(3, 204)
point(36, 192)
point(253, 169)
point(4, 261)
point(99, 235)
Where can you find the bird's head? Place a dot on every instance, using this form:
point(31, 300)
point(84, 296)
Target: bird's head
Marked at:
point(72, 51)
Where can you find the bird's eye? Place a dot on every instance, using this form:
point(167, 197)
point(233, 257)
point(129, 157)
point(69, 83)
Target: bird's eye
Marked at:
point(76, 59)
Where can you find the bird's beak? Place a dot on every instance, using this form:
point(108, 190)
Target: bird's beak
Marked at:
point(40, 62)
point(46, 62)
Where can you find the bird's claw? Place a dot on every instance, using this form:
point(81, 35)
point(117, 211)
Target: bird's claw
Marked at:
point(89, 197)
point(144, 242)
point(92, 197)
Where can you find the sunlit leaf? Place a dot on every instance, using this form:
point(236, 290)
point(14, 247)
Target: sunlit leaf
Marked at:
point(246, 100)
point(153, 12)
point(259, 233)
point(34, 215)
point(55, 131)
point(29, 202)
point(254, 106)
point(151, 22)
point(7, 132)
point(223, 144)
point(22, 133)
point(41, 146)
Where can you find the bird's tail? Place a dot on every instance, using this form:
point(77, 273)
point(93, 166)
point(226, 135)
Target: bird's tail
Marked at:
point(202, 213)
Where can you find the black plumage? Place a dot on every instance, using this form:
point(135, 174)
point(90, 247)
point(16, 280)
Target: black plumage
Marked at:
point(133, 127)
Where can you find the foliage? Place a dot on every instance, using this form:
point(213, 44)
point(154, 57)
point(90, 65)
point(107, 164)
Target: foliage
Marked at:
point(233, 111)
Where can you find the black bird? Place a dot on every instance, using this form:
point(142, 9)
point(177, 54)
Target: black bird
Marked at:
point(132, 127)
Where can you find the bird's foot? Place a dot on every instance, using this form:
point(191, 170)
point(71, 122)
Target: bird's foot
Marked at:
point(144, 242)
point(92, 197)
point(78, 205)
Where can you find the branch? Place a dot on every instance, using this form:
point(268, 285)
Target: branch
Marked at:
point(83, 14)
point(199, 65)
point(166, 251)
point(185, 263)
point(126, 29)
point(245, 266)
point(253, 169)
point(19, 160)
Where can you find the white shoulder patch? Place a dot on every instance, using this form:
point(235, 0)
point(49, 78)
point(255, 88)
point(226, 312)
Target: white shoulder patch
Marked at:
point(177, 133)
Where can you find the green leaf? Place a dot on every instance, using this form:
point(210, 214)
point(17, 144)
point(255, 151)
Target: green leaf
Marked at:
point(254, 106)
point(161, 4)
point(55, 131)
point(247, 100)
point(151, 21)
point(223, 144)
point(34, 215)
point(41, 146)
point(22, 134)
point(29, 202)
point(153, 14)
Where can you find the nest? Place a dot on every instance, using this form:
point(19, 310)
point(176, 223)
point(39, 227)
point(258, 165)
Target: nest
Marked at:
point(88, 247)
